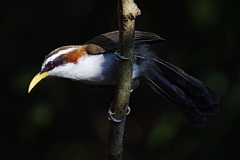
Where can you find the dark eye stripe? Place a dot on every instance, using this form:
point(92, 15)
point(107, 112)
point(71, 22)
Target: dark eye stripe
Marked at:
point(60, 60)
point(56, 62)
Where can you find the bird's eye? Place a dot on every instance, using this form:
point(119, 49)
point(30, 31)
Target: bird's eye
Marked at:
point(50, 64)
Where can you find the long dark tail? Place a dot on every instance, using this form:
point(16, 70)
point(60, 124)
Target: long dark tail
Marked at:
point(191, 97)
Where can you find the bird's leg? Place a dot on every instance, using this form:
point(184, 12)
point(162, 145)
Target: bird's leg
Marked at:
point(127, 109)
point(135, 84)
point(111, 117)
point(111, 114)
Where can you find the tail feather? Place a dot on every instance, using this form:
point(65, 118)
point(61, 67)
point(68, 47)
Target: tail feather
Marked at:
point(192, 86)
point(191, 97)
point(176, 96)
point(177, 75)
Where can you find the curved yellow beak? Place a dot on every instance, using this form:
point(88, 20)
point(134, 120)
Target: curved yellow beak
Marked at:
point(37, 79)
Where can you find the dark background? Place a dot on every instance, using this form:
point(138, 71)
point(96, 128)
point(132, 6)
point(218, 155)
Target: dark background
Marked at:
point(65, 120)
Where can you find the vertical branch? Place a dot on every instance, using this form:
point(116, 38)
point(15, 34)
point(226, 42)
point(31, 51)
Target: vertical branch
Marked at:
point(127, 12)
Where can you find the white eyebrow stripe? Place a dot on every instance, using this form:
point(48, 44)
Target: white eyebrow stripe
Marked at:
point(61, 52)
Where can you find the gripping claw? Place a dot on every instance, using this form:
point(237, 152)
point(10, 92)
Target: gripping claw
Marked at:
point(111, 114)
point(123, 58)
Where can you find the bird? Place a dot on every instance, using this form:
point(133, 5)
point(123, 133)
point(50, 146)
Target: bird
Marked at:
point(95, 64)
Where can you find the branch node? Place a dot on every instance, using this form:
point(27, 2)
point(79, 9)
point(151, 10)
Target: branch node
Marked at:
point(131, 11)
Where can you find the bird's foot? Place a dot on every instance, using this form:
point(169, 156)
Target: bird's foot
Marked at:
point(123, 58)
point(111, 114)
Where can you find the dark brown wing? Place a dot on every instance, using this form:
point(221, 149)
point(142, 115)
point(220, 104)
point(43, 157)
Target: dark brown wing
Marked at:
point(108, 42)
point(147, 38)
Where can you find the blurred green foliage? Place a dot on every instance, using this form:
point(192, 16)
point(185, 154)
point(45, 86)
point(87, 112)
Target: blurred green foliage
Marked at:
point(205, 13)
point(65, 120)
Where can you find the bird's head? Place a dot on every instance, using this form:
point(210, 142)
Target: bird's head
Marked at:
point(58, 63)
